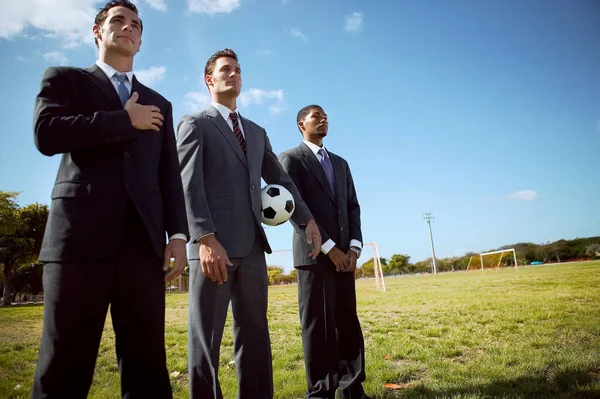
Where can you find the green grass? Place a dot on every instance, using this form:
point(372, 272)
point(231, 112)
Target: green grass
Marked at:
point(534, 333)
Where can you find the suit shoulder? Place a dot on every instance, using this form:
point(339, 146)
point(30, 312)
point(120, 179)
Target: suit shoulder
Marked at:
point(253, 125)
point(293, 153)
point(59, 71)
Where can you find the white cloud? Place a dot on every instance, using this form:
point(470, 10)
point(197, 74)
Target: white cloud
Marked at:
point(354, 22)
point(69, 21)
point(213, 6)
point(151, 76)
point(196, 100)
point(258, 97)
point(56, 57)
point(524, 195)
point(159, 5)
point(264, 52)
point(295, 32)
point(274, 99)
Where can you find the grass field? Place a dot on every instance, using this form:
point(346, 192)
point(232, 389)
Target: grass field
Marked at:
point(534, 333)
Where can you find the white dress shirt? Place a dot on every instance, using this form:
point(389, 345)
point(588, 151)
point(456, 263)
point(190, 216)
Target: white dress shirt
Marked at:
point(329, 244)
point(110, 72)
point(224, 111)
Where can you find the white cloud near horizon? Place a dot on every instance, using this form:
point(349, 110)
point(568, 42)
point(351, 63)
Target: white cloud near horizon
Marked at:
point(295, 32)
point(69, 21)
point(524, 195)
point(151, 76)
point(354, 22)
point(213, 6)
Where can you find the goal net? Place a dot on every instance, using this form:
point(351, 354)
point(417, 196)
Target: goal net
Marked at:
point(494, 260)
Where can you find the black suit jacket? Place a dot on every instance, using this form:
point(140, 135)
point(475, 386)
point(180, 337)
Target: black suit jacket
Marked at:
point(337, 214)
point(105, 163)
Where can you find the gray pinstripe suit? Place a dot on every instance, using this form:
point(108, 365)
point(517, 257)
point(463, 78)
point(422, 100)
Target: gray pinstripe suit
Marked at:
point(222, 193)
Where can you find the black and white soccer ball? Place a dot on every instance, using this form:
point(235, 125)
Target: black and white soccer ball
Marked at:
point(277, 205)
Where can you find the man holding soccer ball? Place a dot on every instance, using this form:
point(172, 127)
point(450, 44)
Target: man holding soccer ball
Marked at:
point(331, 335)
point(223, 157)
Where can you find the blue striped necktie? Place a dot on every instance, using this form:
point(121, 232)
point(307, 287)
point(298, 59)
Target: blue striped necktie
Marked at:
point(122, 89)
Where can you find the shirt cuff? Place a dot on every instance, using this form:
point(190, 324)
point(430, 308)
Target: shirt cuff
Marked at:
point(355, 243)
point(327, 246)
point(178, 236)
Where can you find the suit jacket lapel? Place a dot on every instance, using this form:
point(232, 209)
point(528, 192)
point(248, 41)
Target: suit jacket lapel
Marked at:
point(313, 163)
point(226, 132)
point(250, 143)
point(142, 91)
point(104, 84)
point(340, 180)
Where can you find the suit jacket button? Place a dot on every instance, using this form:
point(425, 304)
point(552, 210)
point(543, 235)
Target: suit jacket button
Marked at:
point(252, 187)
point(341, 229)
point(126, 154)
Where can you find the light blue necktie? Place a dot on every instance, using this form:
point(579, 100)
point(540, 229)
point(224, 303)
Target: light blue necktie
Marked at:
point(122, 89)
point(328, 168)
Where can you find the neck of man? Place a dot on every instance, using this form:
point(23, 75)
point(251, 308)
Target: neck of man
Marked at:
point(229, 102)
point(119, 62)
point(317, 140)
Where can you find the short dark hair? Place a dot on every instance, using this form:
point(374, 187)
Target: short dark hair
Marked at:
point(305, 111)
point(212, 61)
point(101, 16)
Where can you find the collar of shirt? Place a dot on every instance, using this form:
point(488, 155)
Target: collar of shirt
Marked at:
point(315, 148)
point(224, 111)
point(110, 71)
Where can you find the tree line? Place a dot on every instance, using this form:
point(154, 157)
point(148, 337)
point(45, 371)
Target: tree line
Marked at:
point(22, 231)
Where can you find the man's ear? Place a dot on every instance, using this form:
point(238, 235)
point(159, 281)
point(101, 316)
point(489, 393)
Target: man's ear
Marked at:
point(97, 29)
point(301, 126)
point(208, 80)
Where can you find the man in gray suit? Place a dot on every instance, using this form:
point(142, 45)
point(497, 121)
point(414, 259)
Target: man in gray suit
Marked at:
point(331, 334)
point(223, 157)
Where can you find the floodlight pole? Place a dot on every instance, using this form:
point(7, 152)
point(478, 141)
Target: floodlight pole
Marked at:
point(428, 217)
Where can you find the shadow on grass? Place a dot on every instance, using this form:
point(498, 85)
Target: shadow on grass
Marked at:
point(555, 384)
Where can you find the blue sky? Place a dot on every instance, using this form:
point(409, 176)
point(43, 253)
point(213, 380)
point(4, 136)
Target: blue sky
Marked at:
point(484, 112)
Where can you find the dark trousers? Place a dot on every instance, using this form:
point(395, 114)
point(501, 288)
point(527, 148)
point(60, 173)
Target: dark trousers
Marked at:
point(246, 287)
point(77, 296)
point(331, 334)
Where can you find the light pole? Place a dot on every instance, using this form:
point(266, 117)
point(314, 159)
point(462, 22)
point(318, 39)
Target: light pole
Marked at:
point(428, 218)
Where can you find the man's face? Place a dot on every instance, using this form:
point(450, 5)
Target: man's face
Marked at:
point(121, 31)
point(226, 77)
point(315, 123)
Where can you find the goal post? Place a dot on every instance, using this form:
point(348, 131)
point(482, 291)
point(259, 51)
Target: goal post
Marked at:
point(502, 253)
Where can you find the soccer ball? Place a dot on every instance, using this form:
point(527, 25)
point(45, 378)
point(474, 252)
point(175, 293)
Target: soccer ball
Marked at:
point(277, 205)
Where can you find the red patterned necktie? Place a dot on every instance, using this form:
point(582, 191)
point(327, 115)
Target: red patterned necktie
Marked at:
point(237, 131)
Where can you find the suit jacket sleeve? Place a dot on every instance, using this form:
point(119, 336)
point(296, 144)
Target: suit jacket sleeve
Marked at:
point(287, 163)
point(273, 173)
point(353, 208)
point(170, 181)
point(59, 128)
point(190, 145)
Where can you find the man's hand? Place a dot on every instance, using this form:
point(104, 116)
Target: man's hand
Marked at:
point(352, 258)
point(213, 259)
point(175, 249)
point(339, 259)
point(143, 117)
point(313, 236)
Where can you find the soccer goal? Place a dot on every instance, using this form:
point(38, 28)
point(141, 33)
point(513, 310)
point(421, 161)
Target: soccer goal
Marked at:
point(494, 259)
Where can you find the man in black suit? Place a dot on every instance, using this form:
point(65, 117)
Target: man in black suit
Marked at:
point(331, 334)
point(117, 193)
